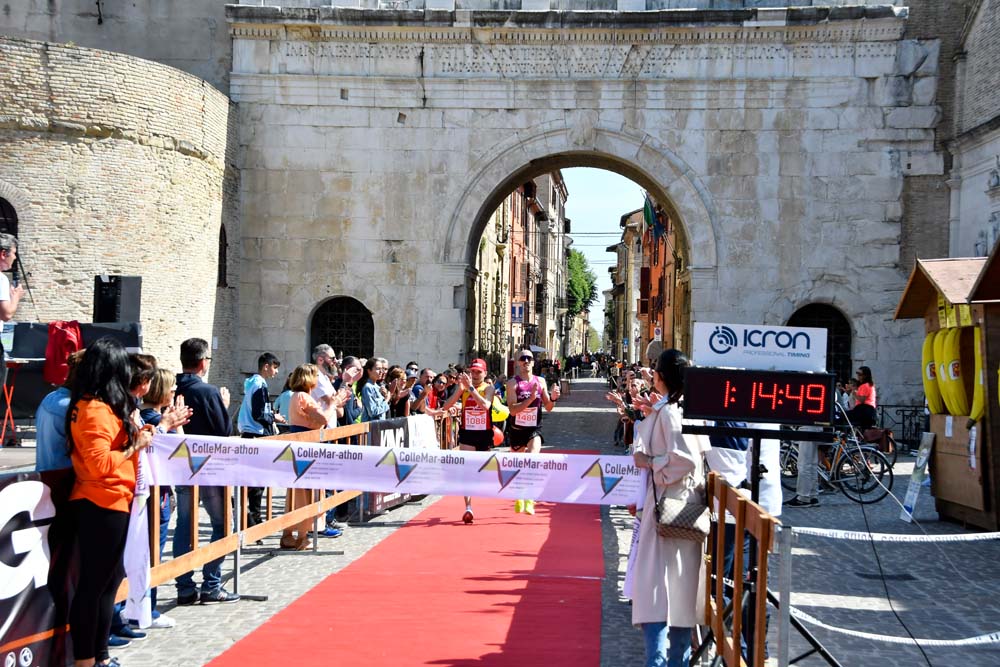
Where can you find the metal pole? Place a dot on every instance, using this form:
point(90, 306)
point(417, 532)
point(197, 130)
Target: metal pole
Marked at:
point(239, 542)
point(785, 591)
point(752, 561)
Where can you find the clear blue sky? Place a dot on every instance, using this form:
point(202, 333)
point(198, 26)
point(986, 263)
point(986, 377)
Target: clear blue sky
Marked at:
point(597, 201)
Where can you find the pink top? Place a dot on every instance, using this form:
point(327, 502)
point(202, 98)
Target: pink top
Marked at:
point(866, 395)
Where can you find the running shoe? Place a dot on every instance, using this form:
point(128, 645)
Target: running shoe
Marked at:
point(529, 507)
point(114, 641)
point(131, 634)
point(518, 505)
point(330, 532)
point(162, 622)
point(467, 517)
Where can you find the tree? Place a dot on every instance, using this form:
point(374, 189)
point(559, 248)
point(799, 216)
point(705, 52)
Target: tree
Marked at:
point(581, 284)
point(593, 340)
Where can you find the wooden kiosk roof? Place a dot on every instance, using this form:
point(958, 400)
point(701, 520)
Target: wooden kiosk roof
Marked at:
point(952, 277)
point(987, 288)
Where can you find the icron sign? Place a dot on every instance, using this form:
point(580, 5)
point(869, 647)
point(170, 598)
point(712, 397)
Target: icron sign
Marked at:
point(759, 347)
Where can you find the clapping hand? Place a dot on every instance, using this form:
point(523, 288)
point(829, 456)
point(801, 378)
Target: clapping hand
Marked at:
point(224, 392)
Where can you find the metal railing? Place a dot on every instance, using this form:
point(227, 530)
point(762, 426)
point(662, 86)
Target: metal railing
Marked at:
point(906, 422)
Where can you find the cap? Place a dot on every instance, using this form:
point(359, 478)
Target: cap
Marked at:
point(478, 365)
point(412, 373)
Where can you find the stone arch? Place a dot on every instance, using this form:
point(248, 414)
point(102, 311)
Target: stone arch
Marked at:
point(839, 341)
point(581, 141)
point(344, 323)
point(22, 206)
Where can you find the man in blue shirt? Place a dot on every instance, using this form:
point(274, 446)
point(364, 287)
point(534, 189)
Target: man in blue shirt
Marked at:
point(50, 424)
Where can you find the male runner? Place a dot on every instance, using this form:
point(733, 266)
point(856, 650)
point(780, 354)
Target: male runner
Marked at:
point(526, 394)
point(476, 429)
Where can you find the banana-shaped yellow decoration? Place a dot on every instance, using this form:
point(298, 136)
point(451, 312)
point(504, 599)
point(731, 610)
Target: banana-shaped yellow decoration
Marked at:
point(956, 386)
point(979, 384)
point(929, 375)
point(942, 370)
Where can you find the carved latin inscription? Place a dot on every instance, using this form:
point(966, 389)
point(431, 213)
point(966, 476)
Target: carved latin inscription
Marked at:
point(578, 61)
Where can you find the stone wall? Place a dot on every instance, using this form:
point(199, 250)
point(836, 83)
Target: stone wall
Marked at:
point(190, 35)
point(782, 151)
point(981, 78)
point(117, 165)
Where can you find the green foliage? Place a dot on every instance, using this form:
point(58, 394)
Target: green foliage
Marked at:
point(593, 340)
point(581, 287)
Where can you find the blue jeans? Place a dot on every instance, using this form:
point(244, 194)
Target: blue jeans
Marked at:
point(212, 497)
point(658, 653)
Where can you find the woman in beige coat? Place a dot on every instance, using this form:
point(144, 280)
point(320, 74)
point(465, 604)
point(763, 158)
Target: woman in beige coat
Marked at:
point(668, 582)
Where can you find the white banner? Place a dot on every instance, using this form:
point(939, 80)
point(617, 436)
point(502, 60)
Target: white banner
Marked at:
point(568, 478)
point(758, 347)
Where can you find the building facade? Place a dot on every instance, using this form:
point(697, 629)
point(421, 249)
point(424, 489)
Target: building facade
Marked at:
point(799, 152)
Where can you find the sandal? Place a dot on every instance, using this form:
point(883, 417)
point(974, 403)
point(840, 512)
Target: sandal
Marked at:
point(288, 542)
point(304, 544)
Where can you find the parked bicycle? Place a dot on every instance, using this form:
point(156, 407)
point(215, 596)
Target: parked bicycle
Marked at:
point(860, 471)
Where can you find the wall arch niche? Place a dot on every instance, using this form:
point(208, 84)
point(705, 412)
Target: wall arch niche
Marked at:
point(838, 335)
point(346, 325)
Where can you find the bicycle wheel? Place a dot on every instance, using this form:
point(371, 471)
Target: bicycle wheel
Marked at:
point(864, 475)
point(893, 452)
point(788, 459)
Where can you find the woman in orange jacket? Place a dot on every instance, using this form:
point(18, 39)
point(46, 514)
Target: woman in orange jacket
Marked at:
point(104, 446)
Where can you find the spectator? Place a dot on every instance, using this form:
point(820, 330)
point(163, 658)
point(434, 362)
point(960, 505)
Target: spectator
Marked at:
point(281, 403)
point(424, 379)
point(305, 414)
point(157, 404)
point(667, 593)
point(348, 378)
point(325, 360)
point(210, 417)
point(399, 393)
point(10, 296)
point(374, 397)
point(50, 423)
point(104, 445)
point(257, 419)
point(863, 414)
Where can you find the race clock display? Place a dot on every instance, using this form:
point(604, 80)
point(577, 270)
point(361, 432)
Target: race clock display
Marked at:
point(769, 397)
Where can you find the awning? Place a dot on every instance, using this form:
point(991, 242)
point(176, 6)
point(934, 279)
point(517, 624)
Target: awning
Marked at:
point(953, 278)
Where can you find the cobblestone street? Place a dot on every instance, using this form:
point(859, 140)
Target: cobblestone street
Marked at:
point(940, 591)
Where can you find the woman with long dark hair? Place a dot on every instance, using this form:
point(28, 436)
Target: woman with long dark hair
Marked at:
point(864, 414)
point(668, 582)
point(374, 396)
point(103, 445)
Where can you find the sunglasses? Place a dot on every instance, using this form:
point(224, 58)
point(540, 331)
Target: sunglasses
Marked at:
point(526, 358)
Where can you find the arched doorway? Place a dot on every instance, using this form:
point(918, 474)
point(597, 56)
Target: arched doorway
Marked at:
point(345, 325)
point(670, 182)
point(838, 335)
point(8, 218)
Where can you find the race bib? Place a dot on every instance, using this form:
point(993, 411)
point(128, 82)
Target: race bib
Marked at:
point(475, 419)
point(527, 417)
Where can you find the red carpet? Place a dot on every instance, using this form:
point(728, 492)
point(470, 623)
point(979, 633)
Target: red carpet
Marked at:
point(511, 589)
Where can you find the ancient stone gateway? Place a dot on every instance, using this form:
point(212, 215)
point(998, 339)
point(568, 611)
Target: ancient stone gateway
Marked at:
point(375, 143)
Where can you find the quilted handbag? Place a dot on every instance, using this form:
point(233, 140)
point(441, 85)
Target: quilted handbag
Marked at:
point(681, 520)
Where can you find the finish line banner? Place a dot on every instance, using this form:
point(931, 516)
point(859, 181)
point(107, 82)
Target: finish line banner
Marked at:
point(566, 478)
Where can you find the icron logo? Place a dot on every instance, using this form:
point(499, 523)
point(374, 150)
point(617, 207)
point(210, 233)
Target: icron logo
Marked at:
point(724, 339)
point(27, 539)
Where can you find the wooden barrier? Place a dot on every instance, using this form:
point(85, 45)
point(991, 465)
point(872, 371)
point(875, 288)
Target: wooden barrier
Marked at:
point(235, 536)
point(753, 519)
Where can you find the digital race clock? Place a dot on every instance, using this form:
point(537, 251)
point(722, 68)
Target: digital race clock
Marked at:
point(770, 397)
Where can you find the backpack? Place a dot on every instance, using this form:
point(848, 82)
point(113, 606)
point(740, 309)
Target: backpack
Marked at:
point(64, 340)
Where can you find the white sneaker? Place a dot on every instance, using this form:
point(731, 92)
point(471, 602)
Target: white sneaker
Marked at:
point(163, 622)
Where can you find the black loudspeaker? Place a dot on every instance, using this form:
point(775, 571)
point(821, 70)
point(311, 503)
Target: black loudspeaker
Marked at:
point(117, 298)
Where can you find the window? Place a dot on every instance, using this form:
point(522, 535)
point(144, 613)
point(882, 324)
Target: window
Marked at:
point(8, 218)
point(221, 279)
point(838, 335)
point(345, 325)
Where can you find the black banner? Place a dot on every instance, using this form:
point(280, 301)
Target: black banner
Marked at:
point(37, 564)
point(387, 433)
